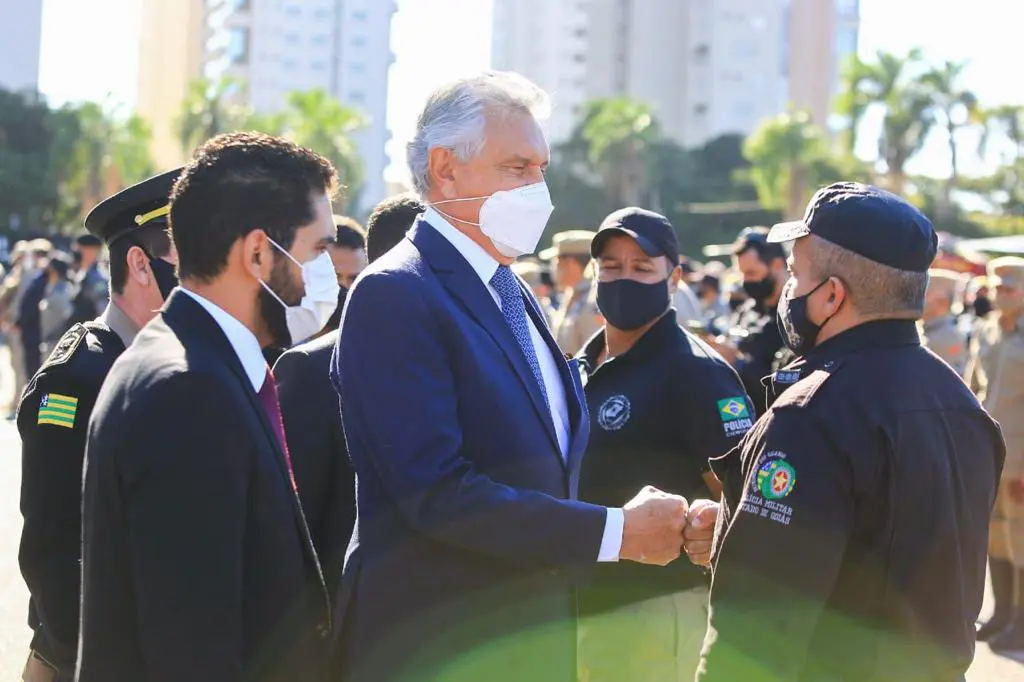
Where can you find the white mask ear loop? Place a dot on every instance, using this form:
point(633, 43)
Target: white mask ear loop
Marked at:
point(284, 251)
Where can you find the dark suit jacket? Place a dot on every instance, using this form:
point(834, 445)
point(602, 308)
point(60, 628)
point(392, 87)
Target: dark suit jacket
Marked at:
point(197, 564)
point(457, 569)
point(316, 442)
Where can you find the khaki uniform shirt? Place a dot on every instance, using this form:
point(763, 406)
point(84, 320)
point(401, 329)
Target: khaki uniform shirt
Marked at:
point(996, 369)
point(577, 318)
point(942, 337)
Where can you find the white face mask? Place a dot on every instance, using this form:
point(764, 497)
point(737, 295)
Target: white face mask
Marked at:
point(320, 298)
point(513, 219)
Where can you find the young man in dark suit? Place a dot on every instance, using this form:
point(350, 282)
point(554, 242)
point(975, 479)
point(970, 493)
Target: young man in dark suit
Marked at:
point(316, 438)
point(197, 562)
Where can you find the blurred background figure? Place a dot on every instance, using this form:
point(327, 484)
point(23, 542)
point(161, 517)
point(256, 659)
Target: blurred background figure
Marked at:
point(389, 222)
point(533, 273)
point(996, 371)
point(10, 290)
point(683, 299)
point(58, 302)
point(709, 292)
point(577, 317)
point(31, 295)
point(939, 330)
point(753, 339)
point(348, 254)
point(91, 283)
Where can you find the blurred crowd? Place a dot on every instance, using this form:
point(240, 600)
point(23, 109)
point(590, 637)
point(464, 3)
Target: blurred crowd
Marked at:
point(44, 291)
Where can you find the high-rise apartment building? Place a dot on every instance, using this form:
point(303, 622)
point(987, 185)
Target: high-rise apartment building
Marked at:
point(21, 29)
point(707, 67)
point(279, 46)
point(274, 47)
point(170, 58)
point(822, 37)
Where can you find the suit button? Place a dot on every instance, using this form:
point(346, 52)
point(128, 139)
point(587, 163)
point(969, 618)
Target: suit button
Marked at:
point(323, 630)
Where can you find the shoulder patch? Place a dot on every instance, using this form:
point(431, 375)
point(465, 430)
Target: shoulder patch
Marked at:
point(67, 346)
point(57, 409)
point(800, 393)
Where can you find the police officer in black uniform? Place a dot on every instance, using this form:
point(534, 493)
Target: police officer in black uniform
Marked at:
point(753, 340)
point(854, 525)
point(661, 403)
point(53, 416)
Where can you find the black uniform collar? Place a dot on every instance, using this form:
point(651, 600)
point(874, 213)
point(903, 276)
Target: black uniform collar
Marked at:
point(867, 335)
point(659, 336)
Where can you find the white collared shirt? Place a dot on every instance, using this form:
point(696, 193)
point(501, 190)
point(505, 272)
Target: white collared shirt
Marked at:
point(243, 341)
point(484, 265)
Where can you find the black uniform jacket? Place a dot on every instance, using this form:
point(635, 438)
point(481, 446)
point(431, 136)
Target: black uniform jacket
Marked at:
point(854, 528)
point(52, 419)
point(316, 441)
point(197, 564)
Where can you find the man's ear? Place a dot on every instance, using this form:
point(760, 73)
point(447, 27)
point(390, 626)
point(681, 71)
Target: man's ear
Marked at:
point(138, 266)
point(255, 252)
point(441, 171)
point(674, 278)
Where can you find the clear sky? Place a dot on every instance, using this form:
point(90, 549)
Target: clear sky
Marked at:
point(90, 52)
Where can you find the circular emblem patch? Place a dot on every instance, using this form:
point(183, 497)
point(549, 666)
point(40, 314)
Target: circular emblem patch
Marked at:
point(776, 479)
point(614, 413)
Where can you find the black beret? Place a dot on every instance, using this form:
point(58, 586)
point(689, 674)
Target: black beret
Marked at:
point(145, 203)
point(868, 221)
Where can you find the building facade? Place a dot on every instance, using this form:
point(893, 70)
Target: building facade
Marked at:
point(170, 58)
point(21, 29)
point(706, 67)
point(275, 47)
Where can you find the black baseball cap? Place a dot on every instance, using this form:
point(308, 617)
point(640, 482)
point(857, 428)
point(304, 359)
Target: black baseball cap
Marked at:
point(869, 221)
point(652, 231)
point(144, 203)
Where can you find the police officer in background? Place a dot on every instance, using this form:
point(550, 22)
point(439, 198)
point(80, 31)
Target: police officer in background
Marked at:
point(91, 284)
point(577, 317)
point(754, 340)
point(54, 414)
point(854, 525)
point(661, 403)
point(939, 330)
point(997, 370)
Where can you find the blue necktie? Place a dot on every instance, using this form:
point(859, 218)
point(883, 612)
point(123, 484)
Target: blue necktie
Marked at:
point(513, 308)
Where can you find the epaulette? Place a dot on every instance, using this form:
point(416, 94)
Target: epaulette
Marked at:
point(67, 346)
point(801, 393)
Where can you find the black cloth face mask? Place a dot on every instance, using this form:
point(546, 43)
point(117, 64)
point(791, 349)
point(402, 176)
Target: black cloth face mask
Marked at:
point(798, 331)
point(628, 304)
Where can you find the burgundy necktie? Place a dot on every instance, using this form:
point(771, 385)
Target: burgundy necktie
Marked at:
point(272, 406)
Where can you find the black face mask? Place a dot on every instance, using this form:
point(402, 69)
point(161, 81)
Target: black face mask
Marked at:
point(982, 306)
point(628, 304)
point(798, 331)
point(163, 273)
point(760, 290)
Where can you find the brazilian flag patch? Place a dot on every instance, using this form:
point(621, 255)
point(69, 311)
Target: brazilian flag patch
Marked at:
point(735, 416)
point(58, 410)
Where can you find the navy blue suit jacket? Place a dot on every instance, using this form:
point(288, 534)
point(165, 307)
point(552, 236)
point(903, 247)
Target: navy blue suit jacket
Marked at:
point(466, 529)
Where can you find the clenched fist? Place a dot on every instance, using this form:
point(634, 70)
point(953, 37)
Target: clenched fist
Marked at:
point(653, 528)
point(700, 531)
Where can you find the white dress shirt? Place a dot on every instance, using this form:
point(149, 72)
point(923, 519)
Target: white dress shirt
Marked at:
point(243, 341)
point(485, 266)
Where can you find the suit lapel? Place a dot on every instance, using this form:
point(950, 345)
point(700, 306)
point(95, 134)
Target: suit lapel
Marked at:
point(463, 283)
point(181, 307)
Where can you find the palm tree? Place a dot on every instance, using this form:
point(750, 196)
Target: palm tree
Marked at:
point(208, 110)
point(620, 135)
point(108, 154)
point(889, 83)
point(787, 154)
point(1007, 121)
point(316, 120)
point(957, 106)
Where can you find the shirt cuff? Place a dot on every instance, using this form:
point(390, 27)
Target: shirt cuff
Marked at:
point(611, 541)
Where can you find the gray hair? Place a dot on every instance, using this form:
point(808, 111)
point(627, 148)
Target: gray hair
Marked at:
point(874, 289)
point(455, 116)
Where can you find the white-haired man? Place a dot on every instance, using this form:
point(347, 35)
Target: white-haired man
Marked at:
point(466, 425)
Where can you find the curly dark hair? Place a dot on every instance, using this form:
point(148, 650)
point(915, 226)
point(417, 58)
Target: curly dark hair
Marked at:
point(237, 183)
